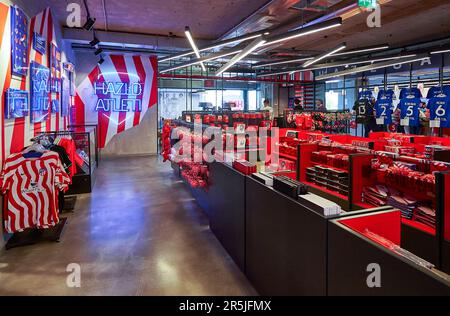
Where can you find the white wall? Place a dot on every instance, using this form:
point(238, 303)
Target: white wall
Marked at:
point(139, 140)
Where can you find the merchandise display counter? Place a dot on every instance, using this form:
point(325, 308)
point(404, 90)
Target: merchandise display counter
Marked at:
point(368, 244)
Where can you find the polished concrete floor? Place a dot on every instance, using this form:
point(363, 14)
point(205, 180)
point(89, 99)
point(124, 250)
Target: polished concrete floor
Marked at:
point(139, 233)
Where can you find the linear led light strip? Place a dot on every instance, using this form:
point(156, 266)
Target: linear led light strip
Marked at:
point(283, 62)
point(194, 47)
point(305, 31)
point(325, 55)
point(292, 61)
point(362, 50)
point(440, 51)
point(202, 60)
point(336, 65)
point(372, 67)
point(244, 53)
point(220, 44)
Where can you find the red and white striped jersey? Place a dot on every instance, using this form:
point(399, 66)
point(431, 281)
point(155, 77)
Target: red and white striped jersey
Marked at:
point(31, 185)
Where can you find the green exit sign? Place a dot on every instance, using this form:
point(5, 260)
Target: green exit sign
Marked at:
point(367, 3)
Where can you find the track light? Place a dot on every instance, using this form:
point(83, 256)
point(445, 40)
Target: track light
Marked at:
point(101, 61)
point(325, 55)
point(98, 51)
point(94, 42)
point(89, 25)
point(244, 53)
point(373, 67)
point(305, 31)
point(187, 31)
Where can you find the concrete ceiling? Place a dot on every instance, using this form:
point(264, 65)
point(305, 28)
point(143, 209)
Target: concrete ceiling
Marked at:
point(208, 19)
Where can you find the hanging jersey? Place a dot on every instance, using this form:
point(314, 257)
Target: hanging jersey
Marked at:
point(410, 112)
point(404, 93)
point(363, 109)
point(384, 110)
point(389, 94)
point(31, 186)
point(367, 94)
point(435, 92)
point(439, 112)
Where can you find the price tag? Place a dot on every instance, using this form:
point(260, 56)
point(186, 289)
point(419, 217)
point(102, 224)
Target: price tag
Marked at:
point(435, 123)
point(404, 122)
point(380, 121)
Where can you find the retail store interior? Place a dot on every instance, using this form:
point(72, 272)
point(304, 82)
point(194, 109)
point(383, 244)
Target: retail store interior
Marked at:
point(225, 148)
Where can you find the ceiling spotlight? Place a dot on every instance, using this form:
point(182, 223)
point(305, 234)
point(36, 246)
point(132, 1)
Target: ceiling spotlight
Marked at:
point(89, 25)
point(94, 42)
point(98, 51)
point(101, 61)
point(325, 55)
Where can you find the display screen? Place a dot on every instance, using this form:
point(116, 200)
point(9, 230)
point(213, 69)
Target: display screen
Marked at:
point(16, 104)
point(19, 42)
point(40, 89)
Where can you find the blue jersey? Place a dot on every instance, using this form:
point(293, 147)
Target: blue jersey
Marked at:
point(387, 94)
point(407, 92)
point(410, 109)
point(367, 94)
point(440, 110)
point(435, 92)
point(384, 110)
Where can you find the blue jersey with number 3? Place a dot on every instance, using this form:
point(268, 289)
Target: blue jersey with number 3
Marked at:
point(410, 109)
point(440, 110)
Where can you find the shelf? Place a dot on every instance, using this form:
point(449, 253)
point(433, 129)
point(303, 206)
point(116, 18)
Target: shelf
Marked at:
point(281, 155)
point(419, 226)
point(336, 194)
point(327, 166)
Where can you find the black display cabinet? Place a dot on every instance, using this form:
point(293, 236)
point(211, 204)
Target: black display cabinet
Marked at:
point(286, 243)
point(353, 255)
point(94, 128)
point(226, 195)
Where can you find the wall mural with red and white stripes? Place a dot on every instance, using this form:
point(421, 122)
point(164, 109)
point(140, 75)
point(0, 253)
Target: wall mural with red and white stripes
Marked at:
point(16, 133)
point(117, 94)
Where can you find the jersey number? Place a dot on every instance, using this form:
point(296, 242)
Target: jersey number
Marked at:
point(440, 111)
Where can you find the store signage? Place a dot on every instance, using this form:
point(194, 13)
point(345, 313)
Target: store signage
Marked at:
point(118, 96)
point(39, 43)
point(370, 4)
point(19, 42)
point(40, 89)
point(16, 103)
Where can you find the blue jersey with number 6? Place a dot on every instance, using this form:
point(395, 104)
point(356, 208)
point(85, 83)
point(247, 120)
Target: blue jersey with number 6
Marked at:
point(384, 109)
point(410, 109)
point(440, 110)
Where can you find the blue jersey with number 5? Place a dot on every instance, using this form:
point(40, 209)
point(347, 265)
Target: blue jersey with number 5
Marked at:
point(410, 109)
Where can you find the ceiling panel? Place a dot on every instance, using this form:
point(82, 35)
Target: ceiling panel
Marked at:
point(208, 19)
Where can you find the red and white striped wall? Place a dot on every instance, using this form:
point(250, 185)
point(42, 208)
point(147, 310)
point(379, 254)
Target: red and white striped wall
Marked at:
point(123, 69)
point(16, 133)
